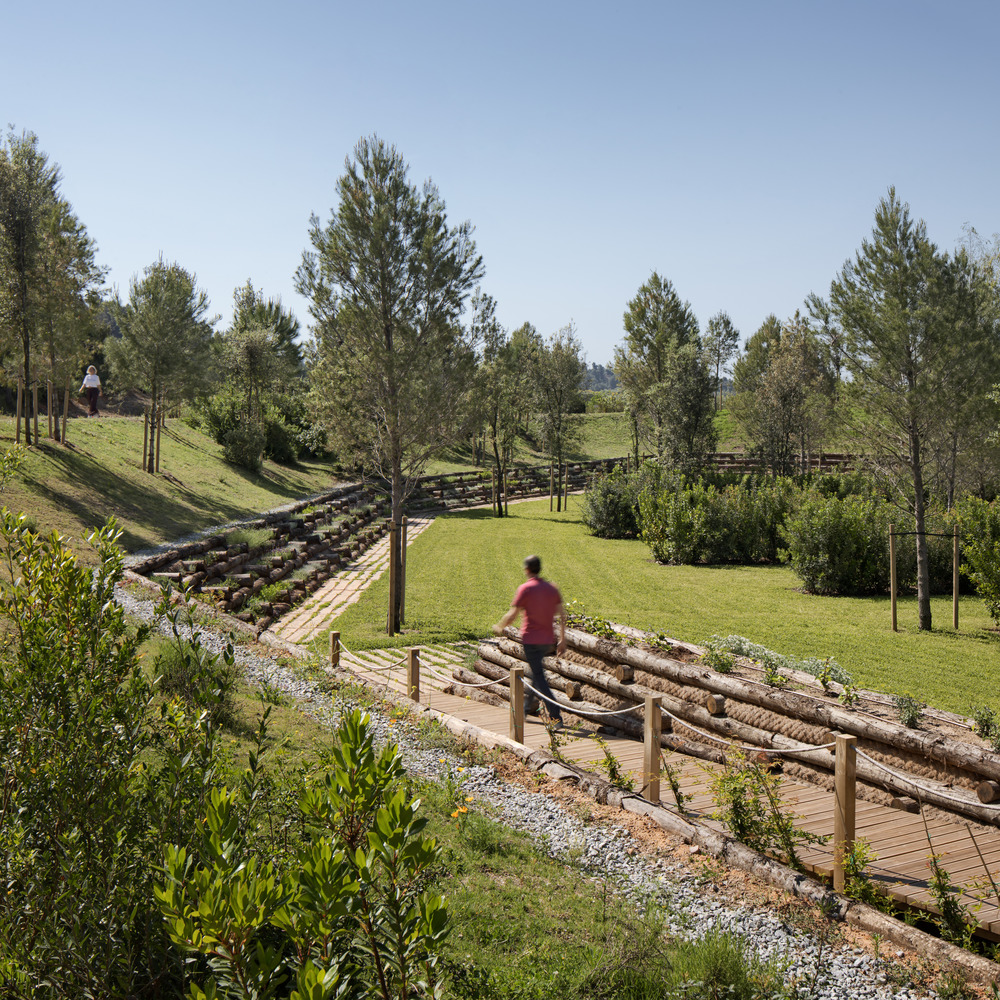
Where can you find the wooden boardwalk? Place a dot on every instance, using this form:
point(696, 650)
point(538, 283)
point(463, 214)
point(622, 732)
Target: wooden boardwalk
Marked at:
point(899, 839)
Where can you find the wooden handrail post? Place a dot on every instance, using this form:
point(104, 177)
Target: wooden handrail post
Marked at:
point(954, 575)
point(844, 801)
point(413, 673)
point(334, 649)
point(652, 726)
point(892, 574)
point(517, 704)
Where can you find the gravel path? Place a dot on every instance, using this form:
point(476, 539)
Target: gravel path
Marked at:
point(824, 973)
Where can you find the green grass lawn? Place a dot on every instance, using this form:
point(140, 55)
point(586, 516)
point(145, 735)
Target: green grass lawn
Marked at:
point(75, 488)
point(462, 573)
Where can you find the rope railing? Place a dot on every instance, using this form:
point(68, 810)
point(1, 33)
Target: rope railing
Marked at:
point(805, 748)
point(587, 711)
point(902, 776)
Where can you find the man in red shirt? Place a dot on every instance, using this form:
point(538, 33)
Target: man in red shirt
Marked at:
point(540, 602)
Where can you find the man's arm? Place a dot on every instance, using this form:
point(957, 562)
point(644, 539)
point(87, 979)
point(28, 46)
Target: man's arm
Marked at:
point(512, 612)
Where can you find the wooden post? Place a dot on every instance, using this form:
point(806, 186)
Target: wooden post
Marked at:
point(892, 574)
point(954, 573)
point(65, 411)
point(652, 725)
point(517, 704)
point(334, 649)
point(159, 424)
point(34, 403)
point(145, 437)
point(402, 572)
point(552, 483)
point(17, 411)
point(393, 556)
point(413, 673)
point(844, 793)
point(48, 403)
point(566, 504)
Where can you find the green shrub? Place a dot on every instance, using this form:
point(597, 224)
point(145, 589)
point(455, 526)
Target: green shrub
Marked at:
point(840, 546)
point(203, 681)
point(91, 786)
point(243, 446)
point(979, 523)
point(610, 505)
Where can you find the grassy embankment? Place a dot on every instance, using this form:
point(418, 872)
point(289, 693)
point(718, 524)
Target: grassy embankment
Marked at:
point(462, 573)
point(76, 488)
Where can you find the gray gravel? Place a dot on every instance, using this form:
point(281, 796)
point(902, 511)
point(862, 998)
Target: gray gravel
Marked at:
point(602, 852)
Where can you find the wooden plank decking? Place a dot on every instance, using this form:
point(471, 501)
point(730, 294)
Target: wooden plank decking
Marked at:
point(899, 839)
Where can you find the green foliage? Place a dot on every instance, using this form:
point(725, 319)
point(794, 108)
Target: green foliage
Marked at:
point(910, 710)
point(840, 546)
point(611, 503)
point(857, 882)
point(719, 660)
point(90, 785)
point(746, 795)
point(226, 422)
point(984, 721)
point(693, 521)
point(825, 670)
point(979, 523)
point(256, 539)
point(203, 681)
point(348, 915)
point(612, 766)
point(243, 446)
point(954, 917)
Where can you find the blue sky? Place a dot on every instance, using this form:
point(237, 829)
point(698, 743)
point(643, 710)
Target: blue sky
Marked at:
point(739, 149)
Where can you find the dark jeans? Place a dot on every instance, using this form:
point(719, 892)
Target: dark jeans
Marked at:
point(92, 393)
point(534, 654)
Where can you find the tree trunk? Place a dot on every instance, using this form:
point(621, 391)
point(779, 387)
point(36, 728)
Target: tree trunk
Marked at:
point(154, 414)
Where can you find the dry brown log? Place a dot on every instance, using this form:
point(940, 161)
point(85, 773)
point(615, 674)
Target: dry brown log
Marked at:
point(716, 704)
point(905, 803)
point(808, 708)
point(988, 791)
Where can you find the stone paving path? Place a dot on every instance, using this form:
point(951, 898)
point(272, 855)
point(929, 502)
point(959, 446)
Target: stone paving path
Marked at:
point(315, 614)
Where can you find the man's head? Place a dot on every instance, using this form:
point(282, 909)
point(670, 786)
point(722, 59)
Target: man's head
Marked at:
point(533, 565)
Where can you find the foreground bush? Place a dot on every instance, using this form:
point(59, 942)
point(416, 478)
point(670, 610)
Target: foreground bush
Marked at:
point(611, 503)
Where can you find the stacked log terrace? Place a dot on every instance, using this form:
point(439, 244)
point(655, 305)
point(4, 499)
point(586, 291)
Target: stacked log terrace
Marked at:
point(704, 710)
point(740, 462)
point(466, 489)
point(302, 547)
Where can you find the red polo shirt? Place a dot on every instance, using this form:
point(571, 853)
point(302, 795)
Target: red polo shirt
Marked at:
point(538, 599)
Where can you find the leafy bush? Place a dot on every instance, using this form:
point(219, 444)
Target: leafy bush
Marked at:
point(840, 546)
point(201, 680)
point(610, 505)
point(979, 523)
point(244, 446)
point(695, 521)
point(84, 770)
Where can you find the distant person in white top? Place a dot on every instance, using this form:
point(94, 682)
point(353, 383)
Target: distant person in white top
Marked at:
point(92, 387)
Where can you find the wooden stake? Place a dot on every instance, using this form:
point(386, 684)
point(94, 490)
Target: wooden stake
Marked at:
point(48, 403)
point(145, 437)
point(652, 727)
point(844, 792)
point(566, 504)
point(390, 624)
point(517, 704)
point(892, 574)
point(954, 573)
point(402, 572)
point(413, 673)
point(159, 424)
point(65, 411)
point(34, 403)
point(552, 481)
point(334, 649)
point(17, 412)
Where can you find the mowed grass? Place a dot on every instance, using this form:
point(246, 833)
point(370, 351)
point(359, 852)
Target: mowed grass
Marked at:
point(77, 487)
point(462, 573)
